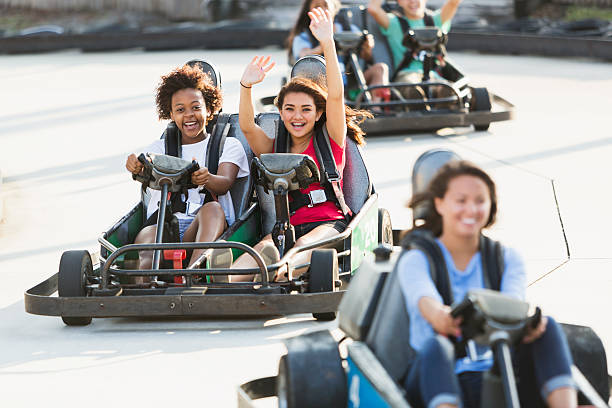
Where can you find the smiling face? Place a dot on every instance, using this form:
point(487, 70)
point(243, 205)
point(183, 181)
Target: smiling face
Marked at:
point(413, 9)
point(299, 114)
point(465, 208)
point(188, 111)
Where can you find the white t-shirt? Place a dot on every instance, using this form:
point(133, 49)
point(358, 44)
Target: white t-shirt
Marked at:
point(233, 152)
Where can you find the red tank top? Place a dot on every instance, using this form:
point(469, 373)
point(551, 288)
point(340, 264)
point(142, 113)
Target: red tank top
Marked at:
point(327, 211)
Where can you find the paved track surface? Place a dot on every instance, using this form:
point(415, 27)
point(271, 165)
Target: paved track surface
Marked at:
point(68, 120)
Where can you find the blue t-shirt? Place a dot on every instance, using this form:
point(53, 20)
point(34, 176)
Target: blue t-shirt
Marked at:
point(416, 283)
point(395, 36)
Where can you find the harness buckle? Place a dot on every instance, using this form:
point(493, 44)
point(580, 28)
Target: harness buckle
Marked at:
point(317, 197)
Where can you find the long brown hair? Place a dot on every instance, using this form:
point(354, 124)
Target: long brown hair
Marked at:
point(319, 95)
point(303, 23)
point(437, 189)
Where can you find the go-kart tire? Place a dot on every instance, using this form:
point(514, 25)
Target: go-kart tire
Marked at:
point(311, 374)
point(481, 102)
point(323, 276)
point(589, 356)
point(74, 269)
point(385, 229)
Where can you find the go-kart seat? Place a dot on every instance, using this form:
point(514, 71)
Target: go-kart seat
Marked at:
point(389, 330)
point(242, 189)
point(357, 186)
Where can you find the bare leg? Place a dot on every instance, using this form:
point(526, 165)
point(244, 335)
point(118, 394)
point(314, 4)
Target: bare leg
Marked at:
point(246, 261)
point(146, 236)
point(377, 74)
point(317, 234)
point(207, 226)
point(564, 397)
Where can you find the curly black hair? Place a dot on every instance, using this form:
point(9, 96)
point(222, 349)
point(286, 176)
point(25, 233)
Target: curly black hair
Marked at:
point(186, 77)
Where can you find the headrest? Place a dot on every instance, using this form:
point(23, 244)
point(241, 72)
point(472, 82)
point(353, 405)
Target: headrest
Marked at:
point(311, 67)
point(424, 170)
point(208, 68)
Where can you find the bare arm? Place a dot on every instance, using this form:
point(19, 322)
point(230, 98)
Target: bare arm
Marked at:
point(218, 183)
point(321, 26)
point(438, 315)
point(375, 9)
point(311, 51)
point(254, 73)
point(448, 10)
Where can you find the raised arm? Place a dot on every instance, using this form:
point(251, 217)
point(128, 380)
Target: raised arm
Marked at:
point(253, 74)
point(375, 9)
point(322, 27)
point(448, 10)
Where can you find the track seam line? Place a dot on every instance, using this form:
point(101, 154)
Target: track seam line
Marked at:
point(554, 190)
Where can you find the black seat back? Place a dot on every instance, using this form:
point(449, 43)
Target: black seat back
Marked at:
point(242, 189)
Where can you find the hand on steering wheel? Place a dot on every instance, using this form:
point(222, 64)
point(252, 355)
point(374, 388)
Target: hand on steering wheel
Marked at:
point(256, 71)
point(133, 165)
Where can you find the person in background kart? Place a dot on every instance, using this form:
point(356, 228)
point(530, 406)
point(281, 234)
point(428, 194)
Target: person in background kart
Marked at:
point(187, 97)
point(464, 202)
point(302, 42)
point(413, 11)
point(303, 104)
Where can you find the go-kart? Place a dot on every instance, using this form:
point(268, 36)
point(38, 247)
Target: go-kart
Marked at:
point(109, 285)
point(366, 368)
point(446, 99)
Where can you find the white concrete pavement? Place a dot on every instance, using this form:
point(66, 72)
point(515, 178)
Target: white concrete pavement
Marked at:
point(68, 120)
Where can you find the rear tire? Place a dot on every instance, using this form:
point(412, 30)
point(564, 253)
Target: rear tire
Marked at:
point(481, 102)
point(311, 375)
point(385, 229)
point(75, 267)
point(589, 356)
point(323, 276)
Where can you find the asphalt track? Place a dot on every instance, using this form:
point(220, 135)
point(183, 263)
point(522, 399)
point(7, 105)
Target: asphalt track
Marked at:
point(69, 119)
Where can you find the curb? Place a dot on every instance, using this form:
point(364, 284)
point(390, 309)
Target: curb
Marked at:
point(235, 37)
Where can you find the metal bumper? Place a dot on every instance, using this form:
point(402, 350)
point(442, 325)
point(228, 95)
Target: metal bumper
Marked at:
point(501, 110)
point(38, 300)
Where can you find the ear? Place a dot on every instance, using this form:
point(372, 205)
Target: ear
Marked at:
point(171, 116)
point(438, 204)
point(319, 114)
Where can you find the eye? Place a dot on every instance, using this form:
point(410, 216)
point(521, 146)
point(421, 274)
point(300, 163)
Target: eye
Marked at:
point(197, 107)
point(179, 110)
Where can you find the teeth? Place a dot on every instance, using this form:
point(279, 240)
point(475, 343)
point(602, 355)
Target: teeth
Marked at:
point(469, 221)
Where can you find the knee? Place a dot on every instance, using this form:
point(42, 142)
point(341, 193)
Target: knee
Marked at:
point(146, 235)
point(381, 68)
point(439, 346)
point(211, 209)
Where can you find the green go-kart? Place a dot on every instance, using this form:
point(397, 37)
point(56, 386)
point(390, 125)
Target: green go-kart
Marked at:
point(107, 284)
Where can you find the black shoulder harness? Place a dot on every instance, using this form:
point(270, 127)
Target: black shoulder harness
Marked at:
point(405, 25)
point(330, 177)
point(490, 254)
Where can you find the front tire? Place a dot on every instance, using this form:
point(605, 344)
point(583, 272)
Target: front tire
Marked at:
point(311, 375)
point(74, 269)
point(481, 102)
point(385, 229)
point(323, 276)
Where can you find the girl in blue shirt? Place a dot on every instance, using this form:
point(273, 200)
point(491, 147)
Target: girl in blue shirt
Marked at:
point(463, 202)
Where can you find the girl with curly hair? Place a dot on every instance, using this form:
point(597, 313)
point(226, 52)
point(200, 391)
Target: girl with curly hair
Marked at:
point(187, 97)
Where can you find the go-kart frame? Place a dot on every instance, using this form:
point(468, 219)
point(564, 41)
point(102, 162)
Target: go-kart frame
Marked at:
point(214, 299)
